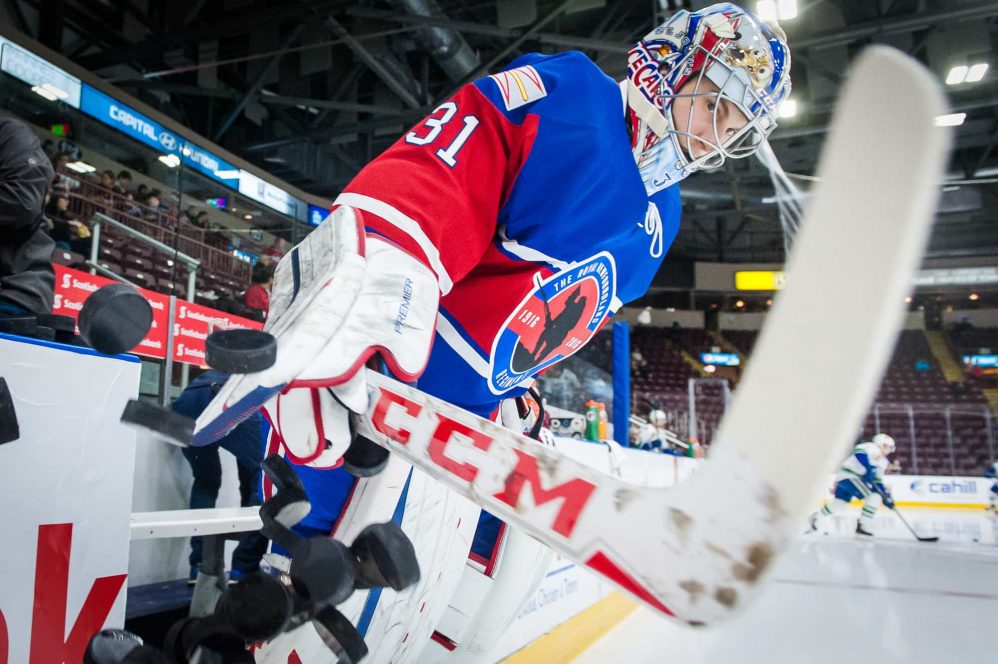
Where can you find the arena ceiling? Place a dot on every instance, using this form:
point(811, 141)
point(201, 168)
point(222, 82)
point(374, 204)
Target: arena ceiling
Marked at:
point(310, 90)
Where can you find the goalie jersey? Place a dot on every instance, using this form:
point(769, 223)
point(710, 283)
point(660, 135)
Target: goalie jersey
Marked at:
point(522, 195)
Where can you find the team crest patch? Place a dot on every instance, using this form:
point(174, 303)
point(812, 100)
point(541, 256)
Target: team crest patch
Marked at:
point(557, 318)
point(519, 86)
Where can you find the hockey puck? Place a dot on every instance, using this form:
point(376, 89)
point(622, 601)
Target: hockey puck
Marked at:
point(23, 326)
point(286, 507)
point(257, 608)
point(240, 351)
point(44, 333)
point(322, 571)
point(164, 424)
point(280, 473)
point(110, 646)
point(9, 429)
point(339, 635)
point(64, 326)
point(385, 556)
point(364, 458)
point(114, 319)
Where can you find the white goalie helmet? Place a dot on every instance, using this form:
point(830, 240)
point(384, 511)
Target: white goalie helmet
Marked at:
point(722, 56)
point(885, 443)
point(657, 418)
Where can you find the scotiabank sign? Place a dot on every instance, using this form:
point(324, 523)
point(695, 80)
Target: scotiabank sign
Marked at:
point(192, 322)
point(73, 287)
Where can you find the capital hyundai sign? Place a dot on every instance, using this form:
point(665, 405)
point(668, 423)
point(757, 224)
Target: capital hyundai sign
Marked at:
point(146, 130)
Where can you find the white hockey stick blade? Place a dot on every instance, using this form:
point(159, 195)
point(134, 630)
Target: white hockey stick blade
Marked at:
point(699, 551)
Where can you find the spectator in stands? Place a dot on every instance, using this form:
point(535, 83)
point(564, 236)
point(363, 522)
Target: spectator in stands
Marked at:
point(245, 442)
point(67, 230)
point(107, 180)
point(638, 363)
point(129, 205)
point(123, 184)
point(27, 280)
point(202, 220)
point(257, 296)
point(276, 251)
point(141, 193)
point(151, 213)
point(62, 180)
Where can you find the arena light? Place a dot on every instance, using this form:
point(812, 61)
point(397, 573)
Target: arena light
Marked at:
point(788, 108)
point(766, 10)
point(957, 75)
point(81, 167)
point(787, 9)
point(772, 10)
point(974, 297)
point(227, 175)
point(976, 72)
point(49, 91)
point(951, 120)
point(171, 160)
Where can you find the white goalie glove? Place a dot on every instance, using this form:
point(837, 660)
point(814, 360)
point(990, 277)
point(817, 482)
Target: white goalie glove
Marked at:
point(338, 299)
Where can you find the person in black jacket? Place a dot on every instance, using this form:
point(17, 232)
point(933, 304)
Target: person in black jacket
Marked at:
point(27, 280)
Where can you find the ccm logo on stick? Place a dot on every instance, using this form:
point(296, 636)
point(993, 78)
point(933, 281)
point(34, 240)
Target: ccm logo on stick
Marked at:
point(396, 417)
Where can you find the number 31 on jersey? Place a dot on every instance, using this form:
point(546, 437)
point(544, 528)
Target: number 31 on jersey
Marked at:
point(435, 123)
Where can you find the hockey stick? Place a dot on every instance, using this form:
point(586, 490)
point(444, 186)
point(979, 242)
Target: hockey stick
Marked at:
point(699, 551)
point(910, 529)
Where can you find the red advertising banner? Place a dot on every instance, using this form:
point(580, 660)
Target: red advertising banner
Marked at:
point(73, 287)
point(192, 323)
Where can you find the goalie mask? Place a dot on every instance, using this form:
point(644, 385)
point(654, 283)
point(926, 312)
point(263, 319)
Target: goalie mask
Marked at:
point(701, 88)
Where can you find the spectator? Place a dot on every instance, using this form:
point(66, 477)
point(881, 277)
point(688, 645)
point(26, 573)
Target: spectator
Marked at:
point(129, 205)
point(202, 220)
point(141, 193)
point(67, 230)
point(245, 442)
point(257, 296)
point(61, 179)
point(27, 280)
point(124, 182)
point(107, 180)
point(151, 213)
point(276, 251)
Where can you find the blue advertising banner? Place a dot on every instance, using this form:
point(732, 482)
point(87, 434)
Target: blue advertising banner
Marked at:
point(136, 125)
point(316, 214)
point(720, 359)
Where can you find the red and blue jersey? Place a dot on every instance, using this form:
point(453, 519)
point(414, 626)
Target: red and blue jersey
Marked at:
point(522, 195)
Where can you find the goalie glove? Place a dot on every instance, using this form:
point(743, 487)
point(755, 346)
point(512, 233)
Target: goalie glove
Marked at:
point(338, 299)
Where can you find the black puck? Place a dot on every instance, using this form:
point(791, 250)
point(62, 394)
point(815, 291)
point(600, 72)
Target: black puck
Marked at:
point(364, 457)
point(23, 326)
point(339, 635)
point(385, 556)
point(257, 608)
point(165, 425)
point(64, 326)
point(114, 319)
point(240, 351)
point(110, 646)
point(44, 333)
point(322, 571)
point(280, 473)
point(9, 429)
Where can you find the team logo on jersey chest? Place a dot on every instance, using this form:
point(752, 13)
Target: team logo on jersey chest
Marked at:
point(557, 318)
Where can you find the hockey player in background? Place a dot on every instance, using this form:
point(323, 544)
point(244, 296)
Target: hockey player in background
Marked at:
point(992, 474)
point(495, 237)
point(861, 477)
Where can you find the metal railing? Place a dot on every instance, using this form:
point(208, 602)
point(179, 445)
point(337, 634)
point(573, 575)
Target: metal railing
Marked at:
point(955, 423)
